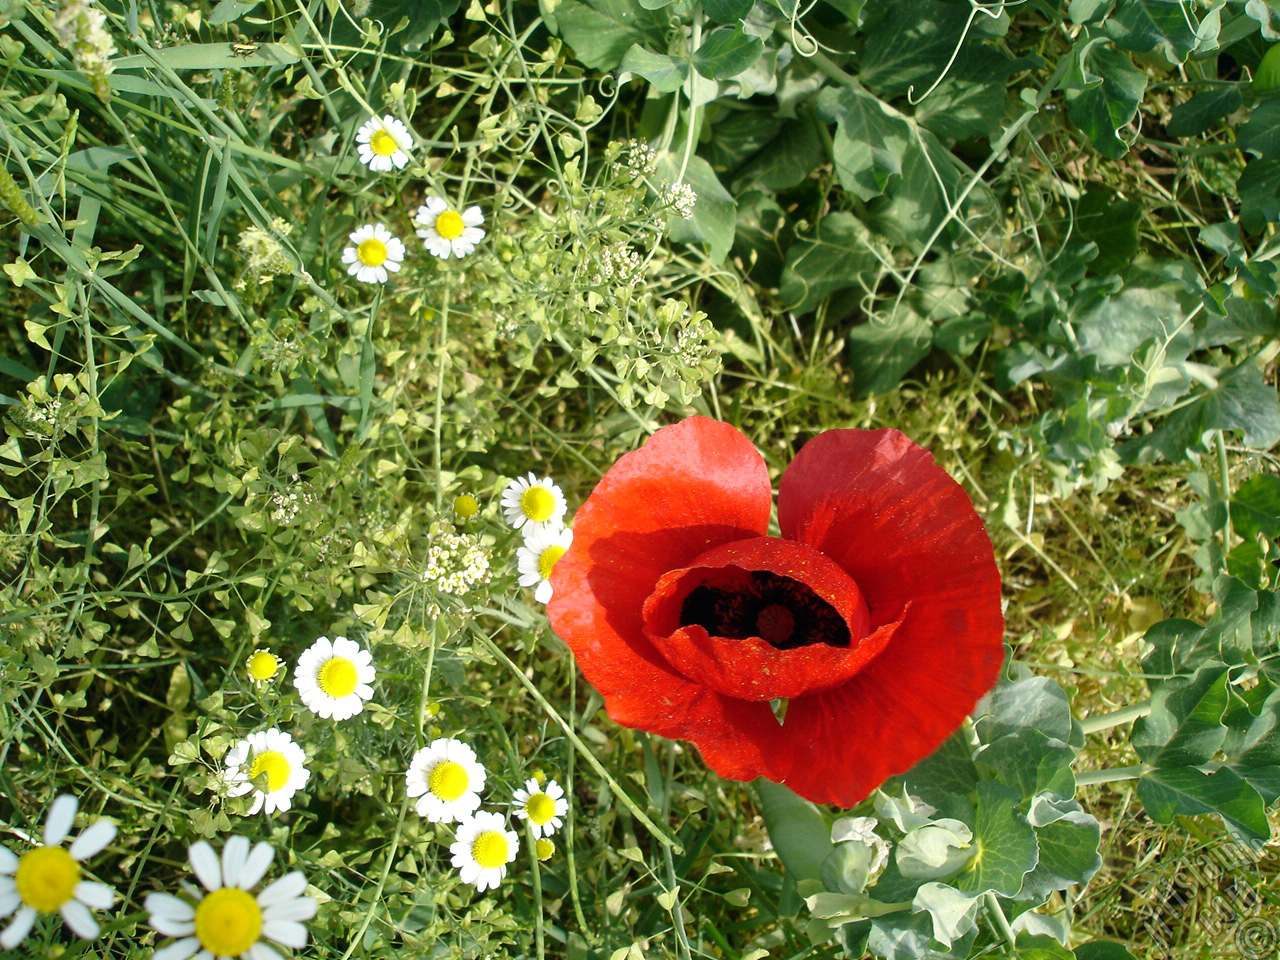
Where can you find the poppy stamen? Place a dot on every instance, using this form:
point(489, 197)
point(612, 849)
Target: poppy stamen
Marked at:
point(781, 611)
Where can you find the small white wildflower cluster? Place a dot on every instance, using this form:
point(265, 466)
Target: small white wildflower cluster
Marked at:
point(264, 256)
point(446, 779)
point(81, 30)
point(285, 505)
point(618, 264)
point(537, 508)
point(456, 564)
point(639, 159)
point(679, 198)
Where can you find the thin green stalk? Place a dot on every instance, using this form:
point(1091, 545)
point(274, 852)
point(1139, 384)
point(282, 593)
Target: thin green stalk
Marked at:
point(1105, 721)
point(1224, 481)
point(996, 913)
point(1110, 775)
point(538, 934)
point(569, 825)
point(657, 832)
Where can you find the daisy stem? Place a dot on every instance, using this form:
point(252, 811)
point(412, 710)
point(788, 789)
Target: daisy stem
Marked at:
point(439, 411)
point(658, 833)
point(532, 840)
point(677, 914)
point(374, 903)
point(368, 367)
point(999, 919)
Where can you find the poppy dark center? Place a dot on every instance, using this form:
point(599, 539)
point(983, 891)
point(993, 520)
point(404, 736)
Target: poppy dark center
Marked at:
point(781, 611)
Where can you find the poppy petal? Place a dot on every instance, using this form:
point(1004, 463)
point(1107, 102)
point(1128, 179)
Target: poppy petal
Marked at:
point(753, 667)
point(692, 486)
point(908, 535)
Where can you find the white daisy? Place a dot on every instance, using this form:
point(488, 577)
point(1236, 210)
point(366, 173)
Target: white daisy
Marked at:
point(542, 548)
point(481, 850)
point(383, 144)
point(447, 778)
point(375, 251)
point(542, 807)
point(333, 677)
point(531, 501)
point(262, 666)
point(228, 921)
point(273, 756)
point(48, 878)
point(445, 231)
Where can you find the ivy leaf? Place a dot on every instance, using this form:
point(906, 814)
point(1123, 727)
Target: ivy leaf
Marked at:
point(1168, 792)
point(1112, 224)
point(726, 53)
point(837, 257)
point(600, 32)
point(1267, 13)
point(1261, 135)
point(664, 73)
point(1068, 854)
point(1103, 92)
point(1144, 25)
point(1258, 188)
point(1036, 703)
point(1005, 843)
point(1202, 111)
point(869, 142)
point(1255, 508)
point(1185, 726)
point(1241, 401)
point(1031, 763)
point(880, 354)
point(913, 46)
point(726, 11)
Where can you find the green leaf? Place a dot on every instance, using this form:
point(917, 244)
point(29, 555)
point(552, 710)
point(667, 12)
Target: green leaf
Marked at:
point(786, 160)
point(880, 354)
point(1103, 92)
point(1144, 25)
point(665, 73)
point(727, 52)
point(1103, 950)
point(1040, 946)
point(953, 914)
point(1005, 842)
point(1202, 111)
point(837, 257)
point(1031, 763)
point(714, 213)
point(935, 851)
point(1258, 188)
point(1261, 135)
point(1241, 401)
point(411, 21)
point(1169, 792)
point(797, 829)
point(602, 32)
point(946, 777)
point(1036, 703)
point(1184, 727)
point(869, 142)
point(726, 11)
point(1267, 13)
point(228, 10)
point(1255, 507)
point(1266, 78)
point(913, 45)
point(1068, 854)
point(1253, 741)
point(1112, 224)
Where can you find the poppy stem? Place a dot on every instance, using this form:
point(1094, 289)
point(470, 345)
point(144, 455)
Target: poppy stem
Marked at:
point(1105, 721)
point(999, 919)
point(657, 833)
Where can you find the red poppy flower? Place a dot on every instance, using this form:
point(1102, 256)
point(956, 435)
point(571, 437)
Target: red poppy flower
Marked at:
point(875, 616)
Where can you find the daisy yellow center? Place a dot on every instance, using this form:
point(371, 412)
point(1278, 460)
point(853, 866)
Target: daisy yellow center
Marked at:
point(548, 560)
point(47, 878)
point(490, 850)
point(540, 808)
point(466, 506)
point(372, 252)
point(274, 765)
point(537, 504)
point(383, 143)
point(448, 780)
point(228, 922)
point(263, 665)
point(544, 848)
point(337, 677)
point(449, 225)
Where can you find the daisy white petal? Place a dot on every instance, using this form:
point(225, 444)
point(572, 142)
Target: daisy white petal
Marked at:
point(205, 864)
point(94, 840)
point(8, 861)
point(533, 504)
point(535, 560)
point(180, 950)
point(9, 902)
point(372, 253)
point(445, 232)
point(19, 928)
point(383, 144)
point(77, 916)
point(447, 779)
point(94, 894)
point(287, 887)
point(287, 933)
point(256, 865)
point(331, 683)
point(483, 842)
point(267, 759)
point(58, 824)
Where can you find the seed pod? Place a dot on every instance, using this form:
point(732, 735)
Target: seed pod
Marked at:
point(11, 196)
